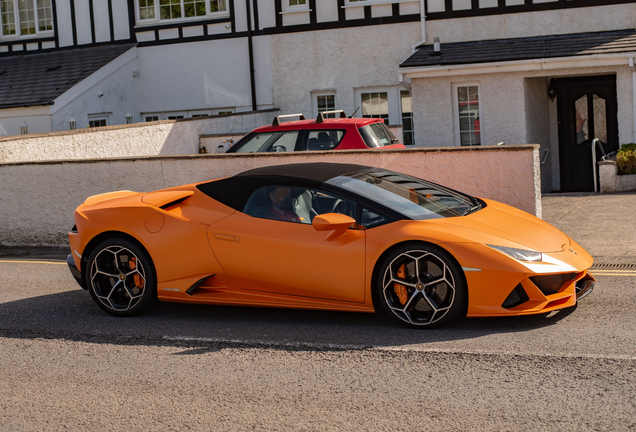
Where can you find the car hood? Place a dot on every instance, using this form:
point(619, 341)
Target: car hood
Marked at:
point(506, 222)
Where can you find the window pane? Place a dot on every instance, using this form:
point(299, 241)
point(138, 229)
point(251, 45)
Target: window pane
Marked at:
point(581, 117)
point(194, 8)
point(170, 9)
point(45, 15)
point(600, 118)
point(26, 12)
point(468, 111)
point(326, 103)
point(146, 9)
point(407, 117)
point(375, 105)
point(296, 204)
point(462, 94)
point(218, 6)
point(324, 140)
point(97, 123)
point(7, 14)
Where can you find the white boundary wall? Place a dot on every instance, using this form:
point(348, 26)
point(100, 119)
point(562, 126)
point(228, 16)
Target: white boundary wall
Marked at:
point(166, 137)
point(37, 199)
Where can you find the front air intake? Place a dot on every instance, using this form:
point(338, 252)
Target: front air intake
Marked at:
point(551, 284)
point(516, 297)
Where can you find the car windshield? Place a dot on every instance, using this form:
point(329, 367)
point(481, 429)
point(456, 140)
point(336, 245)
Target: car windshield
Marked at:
point(376, 135)
point(414, 198)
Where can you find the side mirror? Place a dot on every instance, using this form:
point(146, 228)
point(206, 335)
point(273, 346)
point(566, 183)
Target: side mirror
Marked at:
point(335, 222)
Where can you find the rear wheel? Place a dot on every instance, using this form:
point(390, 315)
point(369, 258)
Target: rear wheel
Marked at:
point(121, 277)
point(422, 286)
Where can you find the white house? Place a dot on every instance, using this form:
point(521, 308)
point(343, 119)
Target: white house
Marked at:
point(554, 72)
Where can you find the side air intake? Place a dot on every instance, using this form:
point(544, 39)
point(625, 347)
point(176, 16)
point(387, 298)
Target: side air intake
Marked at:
point(516, 297)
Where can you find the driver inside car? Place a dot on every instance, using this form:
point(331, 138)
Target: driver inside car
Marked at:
point(280, 207)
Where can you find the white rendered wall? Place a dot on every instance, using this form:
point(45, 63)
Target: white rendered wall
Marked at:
point(37, 118)
point(120, 96)
point(102, 26)
point(538, 124)
point(201, 75)
point(64, 26)
point(560, 21)
point(120, 19)
point(337, 60)
point(33, 213)
point(511, 110)
point(502, 104)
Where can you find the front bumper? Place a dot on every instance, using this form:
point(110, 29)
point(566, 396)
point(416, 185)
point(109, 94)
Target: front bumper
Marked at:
point(74, 270)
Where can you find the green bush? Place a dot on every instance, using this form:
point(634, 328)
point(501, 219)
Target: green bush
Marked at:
point(626, 159)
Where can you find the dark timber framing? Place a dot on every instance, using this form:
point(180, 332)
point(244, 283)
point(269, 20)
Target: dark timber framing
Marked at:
point(528, 6)
point(111, 22)
point(73, 25)
point(279, 28)
point(91, 13)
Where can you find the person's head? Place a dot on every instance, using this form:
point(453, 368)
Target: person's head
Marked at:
point(280, 198)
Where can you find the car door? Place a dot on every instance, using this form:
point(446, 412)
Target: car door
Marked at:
point(291, 257)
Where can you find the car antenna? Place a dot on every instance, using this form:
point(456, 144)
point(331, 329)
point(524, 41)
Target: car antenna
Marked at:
point(354, 113)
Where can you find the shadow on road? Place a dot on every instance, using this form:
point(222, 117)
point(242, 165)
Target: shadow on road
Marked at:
point(72, 315)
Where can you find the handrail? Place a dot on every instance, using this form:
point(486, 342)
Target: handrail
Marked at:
point(546, 152)
point(596, 142)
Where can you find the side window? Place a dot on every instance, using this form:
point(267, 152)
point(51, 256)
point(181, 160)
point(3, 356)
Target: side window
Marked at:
point(296, 204)
point(324, 139)
point(284, 141)
point(371, 219)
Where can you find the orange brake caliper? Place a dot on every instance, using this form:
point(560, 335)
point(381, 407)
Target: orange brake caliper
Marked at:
point(139, 283)
point(400, 289)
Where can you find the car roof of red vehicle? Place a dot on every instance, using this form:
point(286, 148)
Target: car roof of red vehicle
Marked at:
point(317, 123)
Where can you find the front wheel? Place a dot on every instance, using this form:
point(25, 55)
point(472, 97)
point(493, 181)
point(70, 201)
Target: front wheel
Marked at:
point(121, 277)
point(422, 286)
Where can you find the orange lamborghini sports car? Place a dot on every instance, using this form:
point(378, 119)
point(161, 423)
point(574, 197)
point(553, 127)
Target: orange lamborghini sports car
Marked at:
point(324, 236)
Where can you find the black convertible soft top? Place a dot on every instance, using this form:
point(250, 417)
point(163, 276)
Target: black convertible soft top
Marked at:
point(235, 191)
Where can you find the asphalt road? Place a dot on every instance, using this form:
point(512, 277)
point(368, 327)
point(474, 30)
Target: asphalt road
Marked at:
point(66, 365)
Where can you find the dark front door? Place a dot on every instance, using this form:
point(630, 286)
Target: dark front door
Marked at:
point(587, 109)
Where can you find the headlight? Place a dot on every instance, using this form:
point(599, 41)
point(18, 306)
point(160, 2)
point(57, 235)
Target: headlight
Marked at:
point(519, 254)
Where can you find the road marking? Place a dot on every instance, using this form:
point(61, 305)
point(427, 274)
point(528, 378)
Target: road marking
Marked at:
point(613, 272)
point(33, 262)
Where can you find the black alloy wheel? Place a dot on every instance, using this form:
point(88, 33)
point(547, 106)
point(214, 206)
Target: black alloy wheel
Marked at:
point(422, 286)
point(121, 277)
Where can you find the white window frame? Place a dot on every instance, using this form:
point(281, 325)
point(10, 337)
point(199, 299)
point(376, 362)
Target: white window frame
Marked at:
point(287, 7)
point(458, 140)
point(154, 114)
point(157, 19)
point(225, 111)
point(314, 99)
point(393, 95)
point(199, 113)
point(354, 3)
point(167, 115)
point(97, 117)
point(38, 32)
